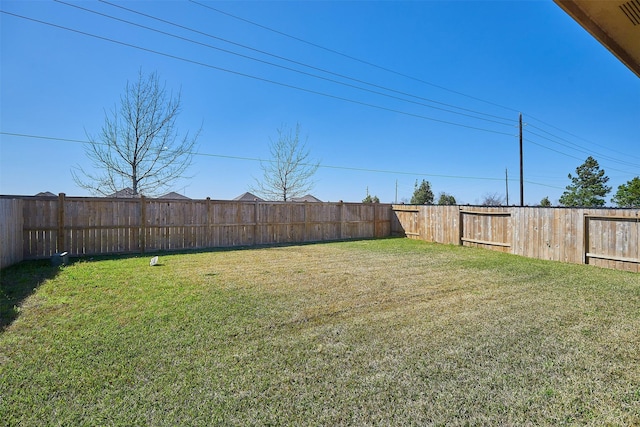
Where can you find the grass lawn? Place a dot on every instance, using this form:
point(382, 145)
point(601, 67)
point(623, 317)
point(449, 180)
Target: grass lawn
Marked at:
point(377, 332)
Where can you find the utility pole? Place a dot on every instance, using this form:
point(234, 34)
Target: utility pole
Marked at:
point(506, 180)
point(396, 191)
point(521, 169)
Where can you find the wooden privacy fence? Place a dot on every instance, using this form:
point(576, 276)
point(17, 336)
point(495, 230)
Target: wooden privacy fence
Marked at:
point(603, 237)
point(10, 231)
point(38, 227)
point(98, 226)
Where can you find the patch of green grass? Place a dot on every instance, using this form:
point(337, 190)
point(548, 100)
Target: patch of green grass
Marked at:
point(24, 279)
point(377, 332)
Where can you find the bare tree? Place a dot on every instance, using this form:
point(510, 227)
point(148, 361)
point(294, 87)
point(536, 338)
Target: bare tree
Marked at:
point(492, 199)
point(289, 172)
point(138, 146)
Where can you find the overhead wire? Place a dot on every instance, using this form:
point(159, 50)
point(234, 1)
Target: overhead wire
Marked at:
point(579, 148)
point(288, 68)
point(626, 154)
point(575, 157)
point(256, 159)
point(323, 166)
point(256, 77)
point(309, 90)
point(402, 75)
point(277, 65)
point(350, 56)
point(592, 153)
point(300, 63)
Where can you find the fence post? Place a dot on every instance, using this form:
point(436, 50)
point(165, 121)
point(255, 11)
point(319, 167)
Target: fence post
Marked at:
point(342, 227)
point(256, 218)
point(208, 234)
point(60, 246)
point(375, 220)
point(460, 226)
point(143, 224)
point(306, 222)
point(585, 239)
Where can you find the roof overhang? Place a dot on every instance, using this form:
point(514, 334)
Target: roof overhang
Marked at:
point(614, 23)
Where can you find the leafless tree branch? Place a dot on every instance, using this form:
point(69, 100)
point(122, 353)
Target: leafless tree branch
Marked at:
point(139, 145)
point(290, 171)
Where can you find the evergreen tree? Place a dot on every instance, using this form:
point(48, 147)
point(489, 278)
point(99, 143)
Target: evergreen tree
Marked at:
point(628, 195)
point(588, 187)
point(370, 199)
point(422, 194)
point(446, 199)
point(545, 202)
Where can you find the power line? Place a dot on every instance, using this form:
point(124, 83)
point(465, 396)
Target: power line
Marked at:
point(397, 73)
point(626, 154)
point(541, 184)
point(551, 149)
point(327, 71)
point(22, 135)
point(379, 107)
point(573, 157)
point(591, 153)
point(304, 89)
point(579, 148)
point(291, 60)
point(289, 68)
point(257, 159)
point(351, 57)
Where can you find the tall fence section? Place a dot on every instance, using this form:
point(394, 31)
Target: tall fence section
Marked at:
point(604, 237)
point(97, 226)
point(38, 227)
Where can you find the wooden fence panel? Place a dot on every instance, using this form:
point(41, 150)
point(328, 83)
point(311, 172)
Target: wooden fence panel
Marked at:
point(537, 234)
point(40, 220)
point(613, 239)
point(604, 237)
point(97, 226)
point(574, 235)
point(382, 223)
point(357, 220)
point(11, 235)
point(281, 222)
point(405, 222)
point(322, 221)
point(488, 228)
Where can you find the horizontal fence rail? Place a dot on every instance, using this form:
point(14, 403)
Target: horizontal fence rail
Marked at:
point(604, 237)
point(99, 226)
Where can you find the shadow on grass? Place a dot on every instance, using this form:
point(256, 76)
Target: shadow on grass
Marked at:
point(17, 283)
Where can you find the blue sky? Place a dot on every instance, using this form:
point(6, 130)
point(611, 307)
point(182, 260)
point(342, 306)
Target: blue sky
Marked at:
point(483, 62)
